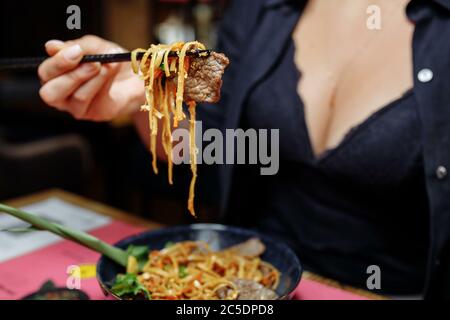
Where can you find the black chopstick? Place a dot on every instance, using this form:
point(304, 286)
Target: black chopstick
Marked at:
point(34, 62)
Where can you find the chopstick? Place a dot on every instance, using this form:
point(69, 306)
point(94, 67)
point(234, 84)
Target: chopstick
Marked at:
point(34, 62)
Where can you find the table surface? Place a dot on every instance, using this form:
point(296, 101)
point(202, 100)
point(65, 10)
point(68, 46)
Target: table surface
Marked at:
point(129, 218)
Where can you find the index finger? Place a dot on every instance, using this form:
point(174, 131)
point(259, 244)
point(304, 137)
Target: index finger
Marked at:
point(53, 46)
point(63, 61)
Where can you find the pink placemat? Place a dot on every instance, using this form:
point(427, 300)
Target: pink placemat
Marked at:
point(309, 289)
point(25, 274)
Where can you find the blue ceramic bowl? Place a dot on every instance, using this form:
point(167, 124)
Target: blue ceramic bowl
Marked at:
point(218, 237)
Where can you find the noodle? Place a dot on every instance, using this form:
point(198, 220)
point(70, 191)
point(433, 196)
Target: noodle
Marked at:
point(181, 77)
point(164, 100)
point(191, 270)
point(193, 156)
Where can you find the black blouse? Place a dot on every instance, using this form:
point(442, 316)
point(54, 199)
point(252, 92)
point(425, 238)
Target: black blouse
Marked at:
point(361, 203)
point(255, 34)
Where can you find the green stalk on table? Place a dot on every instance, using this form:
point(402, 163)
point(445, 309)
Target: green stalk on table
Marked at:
point(133, 259)
point(118, 255)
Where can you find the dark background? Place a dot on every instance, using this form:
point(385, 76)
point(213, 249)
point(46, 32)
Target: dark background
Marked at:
point(41, 148)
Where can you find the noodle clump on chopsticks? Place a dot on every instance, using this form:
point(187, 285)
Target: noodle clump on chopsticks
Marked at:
point(164, 100)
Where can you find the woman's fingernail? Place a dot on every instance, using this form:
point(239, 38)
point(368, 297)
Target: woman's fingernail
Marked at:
point(54, 43)
point(73, 52)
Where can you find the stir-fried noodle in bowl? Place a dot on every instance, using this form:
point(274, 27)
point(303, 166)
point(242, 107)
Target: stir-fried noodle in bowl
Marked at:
point(191, 270)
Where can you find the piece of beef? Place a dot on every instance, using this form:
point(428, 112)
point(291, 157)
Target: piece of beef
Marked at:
point(252, 290)
point(223, 292)
point(251, 248)
point(205, 78)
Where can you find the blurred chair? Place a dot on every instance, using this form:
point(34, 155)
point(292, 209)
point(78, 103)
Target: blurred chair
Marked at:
point(56, 162)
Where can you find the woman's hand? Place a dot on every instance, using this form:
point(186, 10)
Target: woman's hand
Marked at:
point(88, 91)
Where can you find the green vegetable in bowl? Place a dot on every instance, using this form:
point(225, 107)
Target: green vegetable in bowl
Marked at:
point(182, 272)
point(128, 285)
point(140, 253)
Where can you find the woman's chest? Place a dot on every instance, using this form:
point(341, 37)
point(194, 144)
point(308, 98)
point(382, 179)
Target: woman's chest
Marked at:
point(349, 71)
point(385, 149)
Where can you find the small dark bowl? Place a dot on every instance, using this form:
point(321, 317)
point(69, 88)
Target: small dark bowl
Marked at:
point(218, 237)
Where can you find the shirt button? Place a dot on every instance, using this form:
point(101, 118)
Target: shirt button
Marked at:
point(441, 172)
point(425, 75)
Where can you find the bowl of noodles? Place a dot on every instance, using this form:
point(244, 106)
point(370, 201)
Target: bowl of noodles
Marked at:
point(202, 262)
